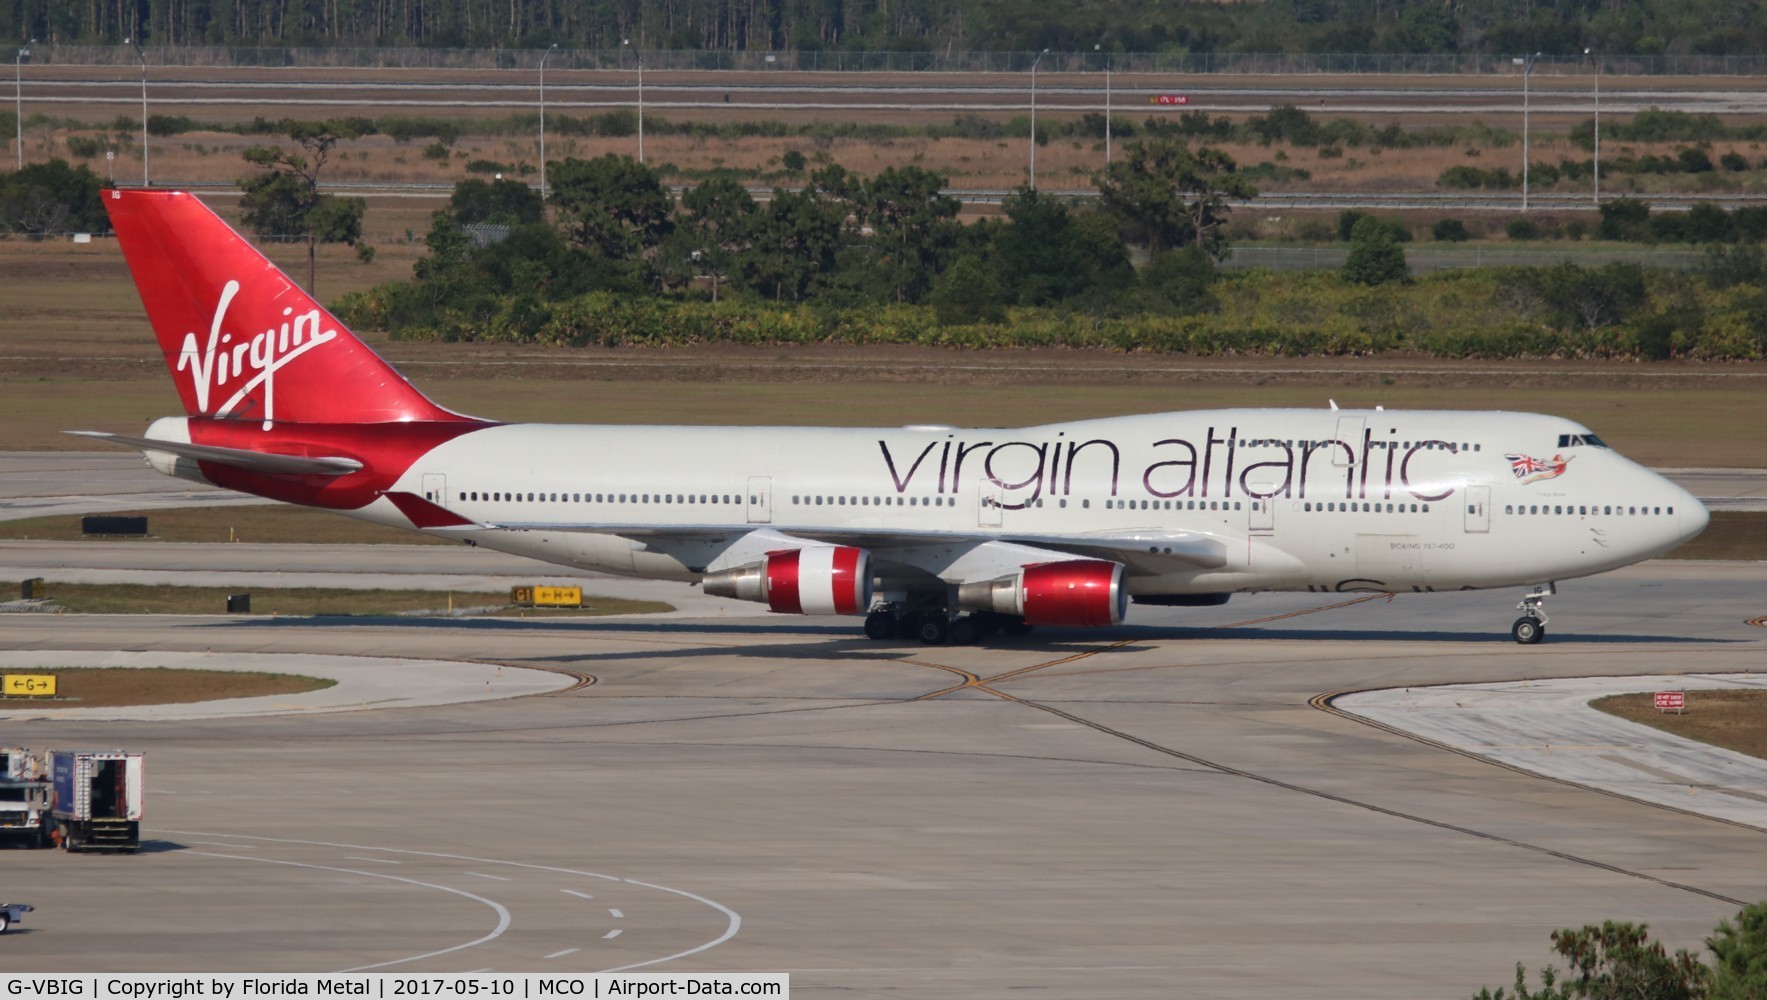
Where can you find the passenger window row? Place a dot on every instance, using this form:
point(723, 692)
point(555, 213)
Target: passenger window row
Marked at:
point(1584, 510)
point(495, 496)
point(1365, 508)
point(1168, 505)
point(1401, 445)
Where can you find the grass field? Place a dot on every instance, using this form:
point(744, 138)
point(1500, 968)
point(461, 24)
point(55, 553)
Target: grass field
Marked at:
point(1735, 720)
point(109, 687)
point(268, 523)
point(76, 353)
point(1685, 420)
point(130, 599)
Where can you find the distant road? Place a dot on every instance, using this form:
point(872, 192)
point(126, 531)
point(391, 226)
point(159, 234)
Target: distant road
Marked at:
point(242, 93)
point(1459, 201)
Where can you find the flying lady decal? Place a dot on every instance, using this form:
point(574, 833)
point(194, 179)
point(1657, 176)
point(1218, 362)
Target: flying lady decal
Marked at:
point(1532, 470)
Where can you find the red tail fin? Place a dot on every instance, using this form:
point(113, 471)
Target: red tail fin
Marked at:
point(241, 339)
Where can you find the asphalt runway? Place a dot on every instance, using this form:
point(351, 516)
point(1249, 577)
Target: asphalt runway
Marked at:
point(1163, 809)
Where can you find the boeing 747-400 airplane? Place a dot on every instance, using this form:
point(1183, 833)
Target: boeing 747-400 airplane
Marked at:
point(929, 532)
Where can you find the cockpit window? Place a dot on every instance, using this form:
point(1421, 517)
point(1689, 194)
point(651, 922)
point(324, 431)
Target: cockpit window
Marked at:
point(1573, 440)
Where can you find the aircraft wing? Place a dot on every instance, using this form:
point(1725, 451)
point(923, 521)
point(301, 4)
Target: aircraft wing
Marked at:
point(912, 547)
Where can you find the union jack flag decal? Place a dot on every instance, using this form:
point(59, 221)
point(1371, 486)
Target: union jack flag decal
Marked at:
point(1529, 469)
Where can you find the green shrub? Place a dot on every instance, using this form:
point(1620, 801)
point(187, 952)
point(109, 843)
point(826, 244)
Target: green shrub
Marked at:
point(1522, 229)
point(1449, 231)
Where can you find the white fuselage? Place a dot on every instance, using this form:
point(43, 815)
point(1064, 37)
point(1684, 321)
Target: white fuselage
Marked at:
point(1290, 499)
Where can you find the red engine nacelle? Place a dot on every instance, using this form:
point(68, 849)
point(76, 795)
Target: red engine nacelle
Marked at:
point(1081, 593)
point(819, 580)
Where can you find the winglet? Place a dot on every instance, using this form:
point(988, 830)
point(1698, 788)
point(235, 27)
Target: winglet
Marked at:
point(426, 514)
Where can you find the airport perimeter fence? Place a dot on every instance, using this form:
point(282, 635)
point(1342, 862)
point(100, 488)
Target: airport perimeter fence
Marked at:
point(1431, 260)
point(677, 60)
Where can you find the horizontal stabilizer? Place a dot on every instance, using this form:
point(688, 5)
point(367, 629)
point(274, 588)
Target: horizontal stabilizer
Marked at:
point(239, 458)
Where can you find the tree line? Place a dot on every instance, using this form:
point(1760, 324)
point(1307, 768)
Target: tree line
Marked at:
point(1557, 27)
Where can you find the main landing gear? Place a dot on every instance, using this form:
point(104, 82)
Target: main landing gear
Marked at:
point(1530, 628)
point(935, 627)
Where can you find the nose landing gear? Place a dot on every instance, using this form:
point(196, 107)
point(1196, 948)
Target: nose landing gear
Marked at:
point(1530, 628)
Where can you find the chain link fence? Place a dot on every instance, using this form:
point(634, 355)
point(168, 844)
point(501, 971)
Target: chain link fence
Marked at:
point(1152, 63)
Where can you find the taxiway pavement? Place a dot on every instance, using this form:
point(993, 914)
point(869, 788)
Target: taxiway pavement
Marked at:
point(1158, 810)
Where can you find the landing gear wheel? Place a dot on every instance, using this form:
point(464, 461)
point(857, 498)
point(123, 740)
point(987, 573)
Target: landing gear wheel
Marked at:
point(933, 630)
point(908, 626)
point(5, 922)
point(1528, 631)
point(966, 630)
point(1530, 628)
point(880, 625)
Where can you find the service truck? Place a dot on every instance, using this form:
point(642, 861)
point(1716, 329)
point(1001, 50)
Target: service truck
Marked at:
point(24, 812)
point(19, 764)
point(96, 799)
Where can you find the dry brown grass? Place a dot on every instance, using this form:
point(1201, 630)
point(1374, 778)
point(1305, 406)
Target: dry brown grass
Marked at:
point(1733, 534)
point(111, 687)
point(270, 523)
point(1735, 720)
point(302, 602)
point(212, 158)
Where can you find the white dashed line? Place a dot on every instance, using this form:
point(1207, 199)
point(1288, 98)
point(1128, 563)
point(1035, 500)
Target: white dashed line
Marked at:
point(616, 914)
point(733, 920)
point(579, 895)
point(561, 954)
point(376, 861)
point(494, 878)
point(502, 914)
point(610, 935)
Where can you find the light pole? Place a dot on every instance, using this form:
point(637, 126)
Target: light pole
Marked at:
point(1107, 106)
point(18, 97)
point(1526, 69)
point(543, 58)
point(1034, 63)
point(143, 57)
point(640, 57)
point(1597, 61)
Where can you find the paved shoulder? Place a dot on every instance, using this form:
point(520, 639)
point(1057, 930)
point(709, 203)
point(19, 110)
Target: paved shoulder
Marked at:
point(362, 682)
point(1547, 727)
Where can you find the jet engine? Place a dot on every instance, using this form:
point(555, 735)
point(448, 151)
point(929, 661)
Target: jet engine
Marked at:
point(819, 580)
point(1083, 593)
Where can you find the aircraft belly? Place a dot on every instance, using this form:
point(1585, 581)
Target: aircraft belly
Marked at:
point(603, 553)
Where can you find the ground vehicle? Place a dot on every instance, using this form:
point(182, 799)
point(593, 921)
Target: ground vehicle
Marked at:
point(96, 802)
point(12, 913)
point(20, 764)
point(24, 812)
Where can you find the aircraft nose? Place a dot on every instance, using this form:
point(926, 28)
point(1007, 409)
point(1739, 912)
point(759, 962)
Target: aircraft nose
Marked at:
point(1693, 516)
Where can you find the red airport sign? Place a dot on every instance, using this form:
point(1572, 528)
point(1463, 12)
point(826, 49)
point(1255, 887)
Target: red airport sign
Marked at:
point(1169, 99)
point(1675, 700)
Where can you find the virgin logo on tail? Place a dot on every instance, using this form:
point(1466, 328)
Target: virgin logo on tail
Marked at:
point(257, 360)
